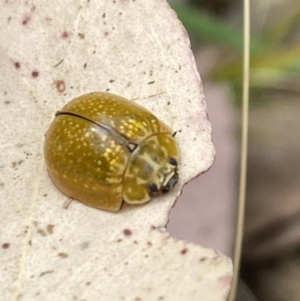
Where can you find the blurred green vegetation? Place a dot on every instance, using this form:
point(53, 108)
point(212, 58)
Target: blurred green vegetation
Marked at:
point(275, 56)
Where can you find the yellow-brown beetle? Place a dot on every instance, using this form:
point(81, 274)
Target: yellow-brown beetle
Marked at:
point(102, 149)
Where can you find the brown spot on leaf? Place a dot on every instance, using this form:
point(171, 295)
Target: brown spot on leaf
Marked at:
point(119, 240)
point(127, 232)
point(184, 251)
point(14, 164)
point(202, 259)
point(88, 283)
point(41, 232)
point(17, 65)
point(46, 272)
point(35, 74)
point(5, 245)
point(111, 80)
point(26, 20)
point(149, 243)
point(152, 82)
point(104, 15)
point(81, 35)
point(65, 35)
point(63, 255)
point(60, 86)
point(50, 228)
point(84, 66)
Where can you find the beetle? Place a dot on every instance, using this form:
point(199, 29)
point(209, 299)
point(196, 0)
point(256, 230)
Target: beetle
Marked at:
point(102, 150)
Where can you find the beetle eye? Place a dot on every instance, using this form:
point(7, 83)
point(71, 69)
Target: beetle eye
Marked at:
point(173, 162)
point(153, 187)
point(173, 181)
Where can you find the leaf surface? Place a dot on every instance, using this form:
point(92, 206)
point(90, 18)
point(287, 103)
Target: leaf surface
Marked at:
point(49, 54)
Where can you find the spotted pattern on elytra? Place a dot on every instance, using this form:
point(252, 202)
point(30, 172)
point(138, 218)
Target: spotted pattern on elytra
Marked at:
point(135, 124)
point(102, 149)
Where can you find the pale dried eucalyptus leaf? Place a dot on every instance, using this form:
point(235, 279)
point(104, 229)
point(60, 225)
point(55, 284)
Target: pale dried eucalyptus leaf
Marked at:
point(49, 54)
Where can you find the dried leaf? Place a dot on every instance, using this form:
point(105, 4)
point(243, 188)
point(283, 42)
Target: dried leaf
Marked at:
point(49, 55)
